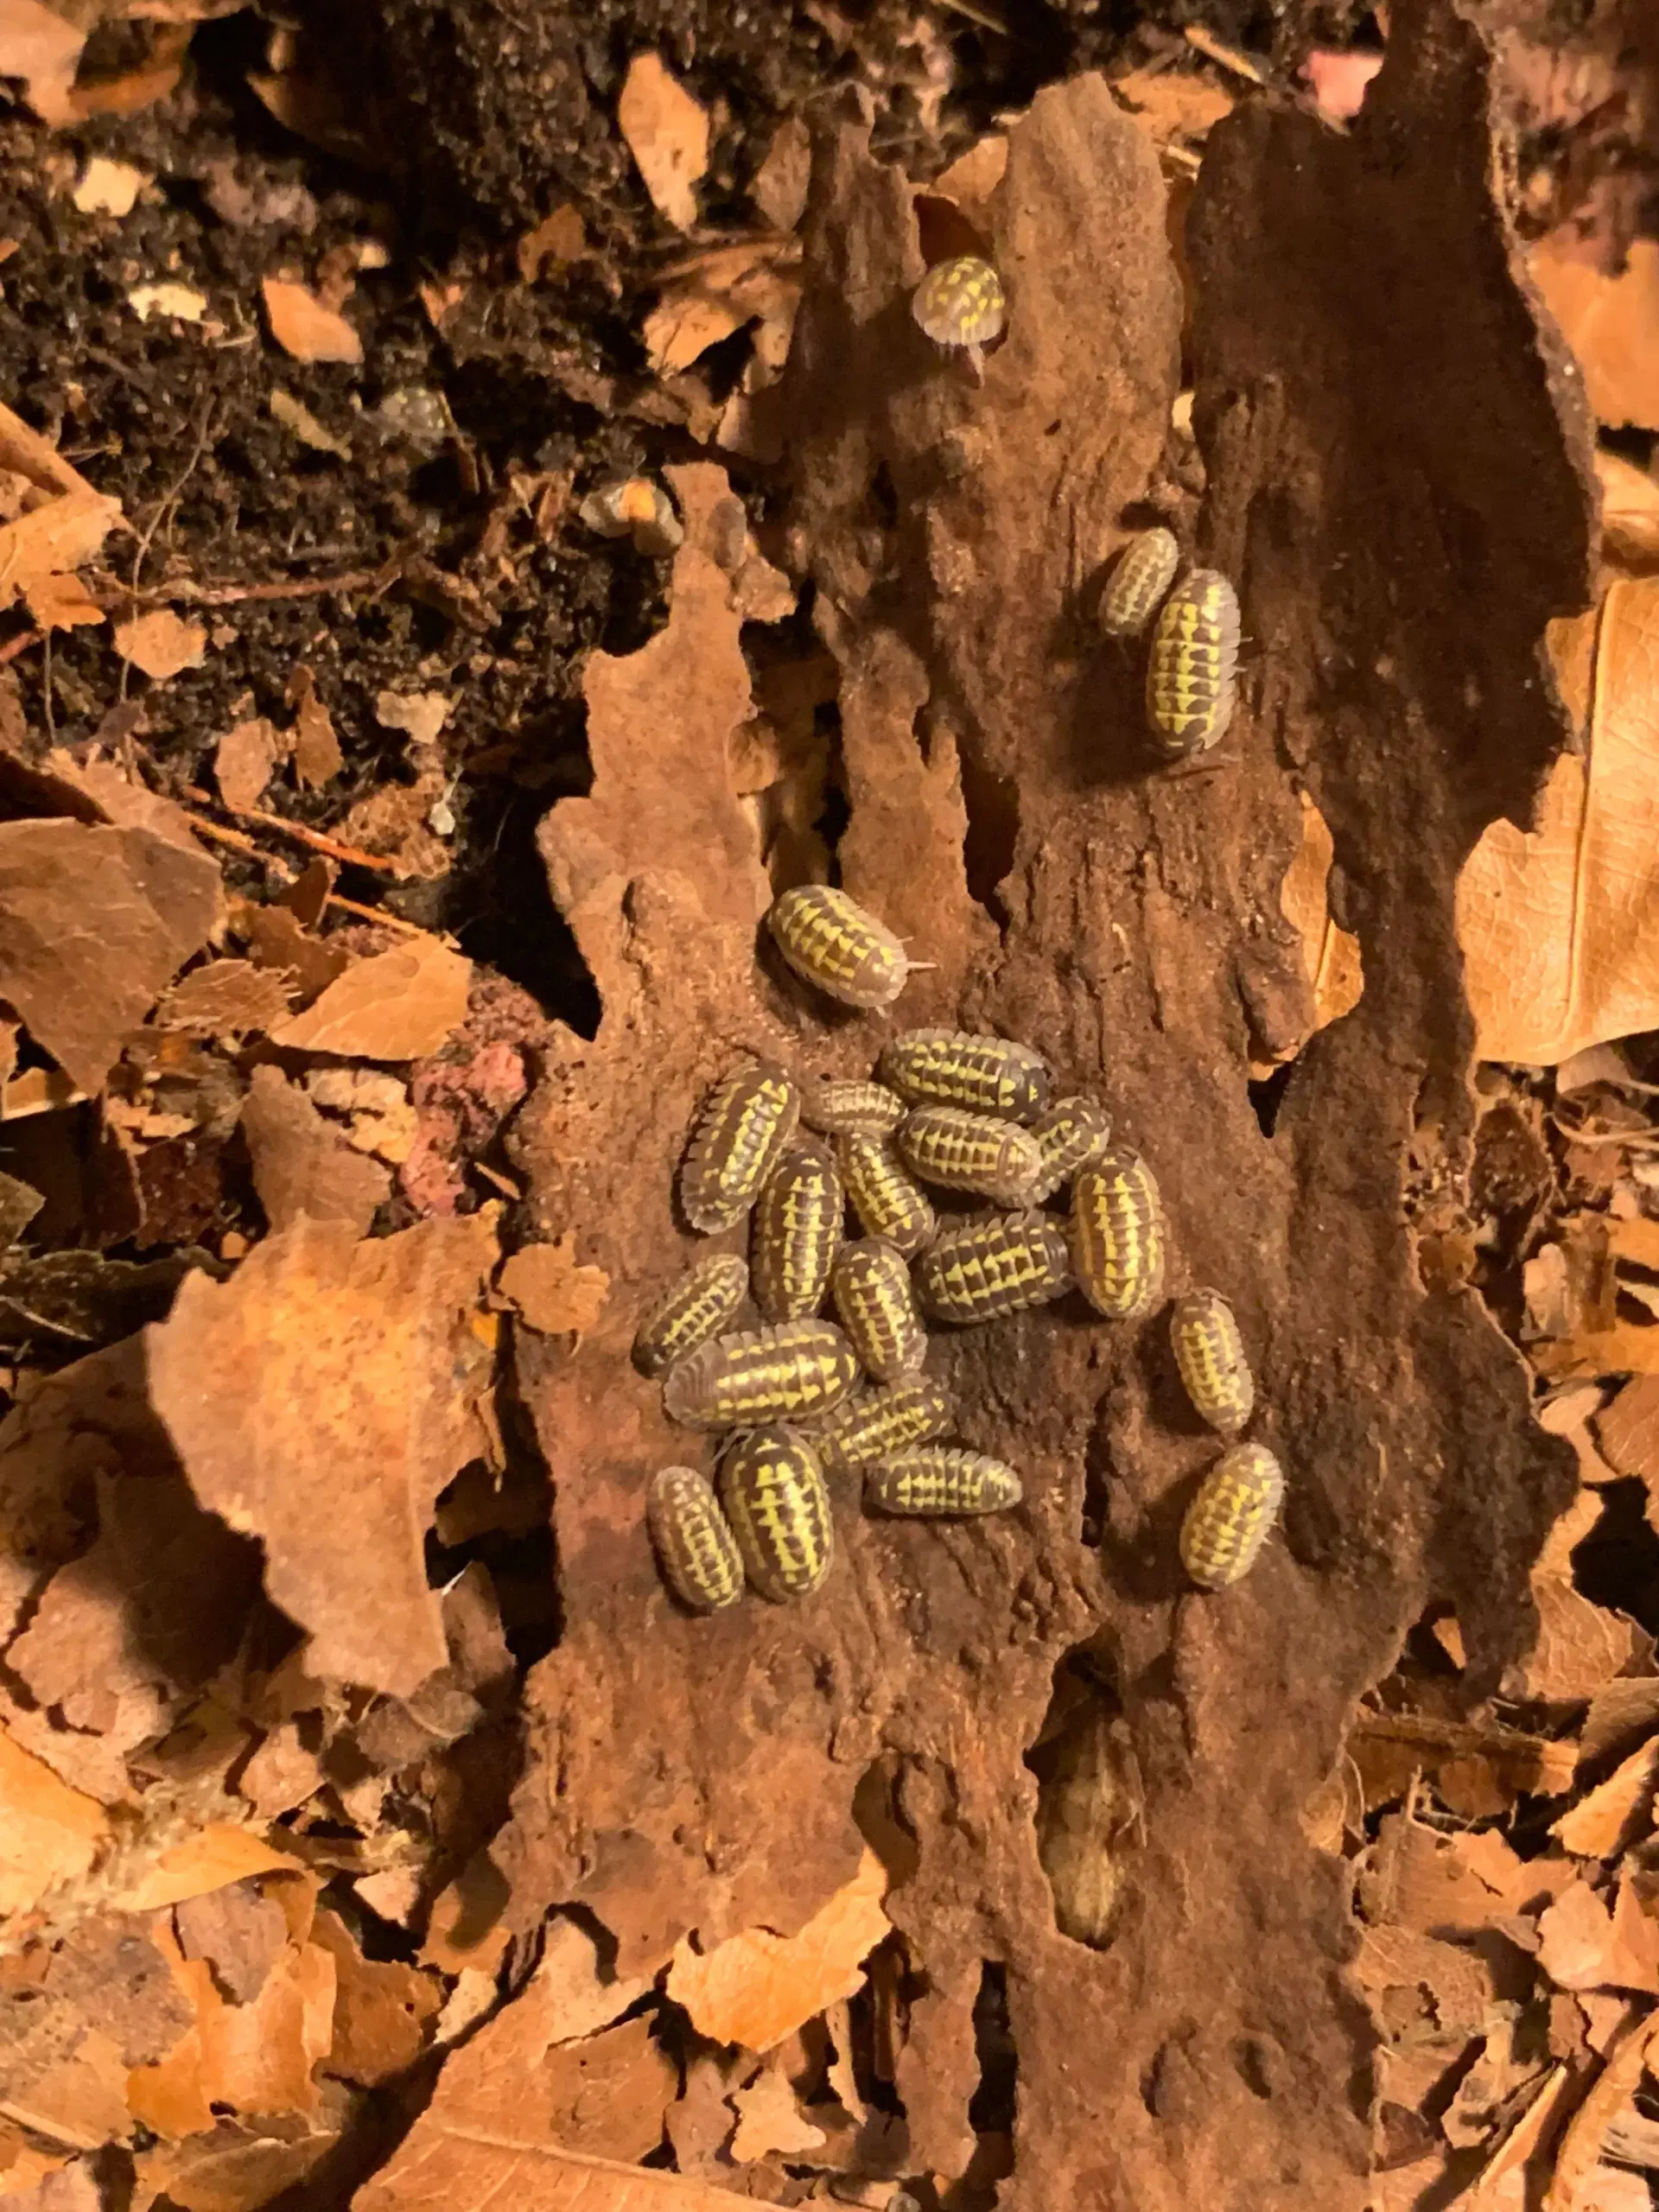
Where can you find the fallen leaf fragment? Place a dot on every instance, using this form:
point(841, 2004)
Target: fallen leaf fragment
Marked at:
point(160, 644)
point(770, 2120)
point(383, 2010)
point(667, 133)
point(49, 1833)
point(317, 756)
point(400, 1005)
point(295, 416)
point(757, 1987)
point(61, 603)
point(108, 187)
point(303, 1167)
point(1580, 2150)
point(232, 2167)
point(1611, 323)
point(1630, 510)
point(243, 760)
point(182, 302)
point(43, 48)
point(81, 993)
point(1331, 956)
point(1559, 925)
point(1608, 1819)
point(419, 714)
point(304, 326)
point(558, 237)
point(227, 998)
point(550, 1293)
point(313, 1399)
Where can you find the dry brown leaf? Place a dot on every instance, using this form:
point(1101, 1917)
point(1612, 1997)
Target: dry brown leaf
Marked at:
point(1611, 323)
point(1331, 956)
point(1618, 1711)
point(304, 326)
point(232, 2169)
point(770, 2120)
point(244, 759)
point(400, 1005)
point(667, 133)
point(383, 2010)
point(160, 644)
point(1559, 926)
point(318, 1401)
point(1503, 2184)
point(1580, 2150)
point(303, 1167)
point(779, 186)
point(1172, 105)
point(62, 602)
point(1583, 1945)
point(294, 414)
point(108, 187)
point(49, 1833)
point(1419, 1879)
point(558, 237)
point(238, 1931)
point(1630, 511)
point(226, 998)
point(1628, 1348)
point(1612, 1814)
point(317, 756)
point(64, 522)
point(550, 1293)
point(81, 993)
point(707, 299)
point(43, 48)
point(758, 1987)
point(1456, 1981)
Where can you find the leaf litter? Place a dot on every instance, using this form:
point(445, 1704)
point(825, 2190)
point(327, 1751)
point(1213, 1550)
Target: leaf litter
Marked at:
point(280, 1823)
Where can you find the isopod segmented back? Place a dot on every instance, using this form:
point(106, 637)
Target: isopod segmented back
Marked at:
point(1071, 1135)
point(937, 1481)
point(958, 1067)
point(694, 1545)
point(844, 1108)
point(1144, 572)
point(1117, 1236)
point(878, 1422)
point(772, 1490)
point(887, 1201)
point(694, 1308)
point(830, 940)
point(747, 1120)
point(871, 1287)
point(1210, 1354)
point(980, 1270)
point(1193, 662)
point(978, 1152)
point(785, 1373)
point(1232, 1516)
point(796, 1230)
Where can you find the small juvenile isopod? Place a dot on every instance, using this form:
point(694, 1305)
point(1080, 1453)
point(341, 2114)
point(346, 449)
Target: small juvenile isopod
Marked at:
point(977, 1152)
point(851, 1109)
point(1209, 1353)
point(1072, 1134)
point(887, 1203)
point(1145, 570)
point(1117, 1236)
point(1232, 1516)
point(957, 1067)
point(937, 1479)
point(773, 1489)
point(962, 302)
point(694, 1308)
point(694, 1545)
point(983, 1269)
point(787, 1372)
point(871, 1287)
point(882, 1421)
point(797, 1227)
point(747, 1120)
point(830, 941)
point(1190, 667)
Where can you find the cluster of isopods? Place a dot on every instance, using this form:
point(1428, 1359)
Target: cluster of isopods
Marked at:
point(973, 1115)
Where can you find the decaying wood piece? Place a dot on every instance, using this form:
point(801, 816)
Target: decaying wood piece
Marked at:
point(1392, 493)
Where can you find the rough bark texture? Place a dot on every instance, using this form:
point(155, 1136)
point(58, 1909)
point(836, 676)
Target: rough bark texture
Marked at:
point(1391, 487)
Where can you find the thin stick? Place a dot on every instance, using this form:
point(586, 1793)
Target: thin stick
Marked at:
point(1229, 57)
point(348, 855)
point(239, 841)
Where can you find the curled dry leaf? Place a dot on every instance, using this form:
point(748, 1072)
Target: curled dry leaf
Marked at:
point(49, 1833)
point(1331, 955)
point(63, 523)
point(757, 1987)
point(160, 644)
point(1559, 925)
point(304, 326)
point(319, 1400)
point(1610, 1817)
point(667, 131)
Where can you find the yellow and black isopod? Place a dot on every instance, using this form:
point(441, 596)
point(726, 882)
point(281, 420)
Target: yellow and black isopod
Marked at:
point(747, 1120)
point(1072, 1134)
point(881, 1421)
point(871, 1287)
point(1191, 665)
point(831, 941)
point(694, 1308)
point(938, 1481)
point(958, 1067)
point(1210, 1354)
point(787, 1372)
point(772, 1490)
point(1118, 1236)
point(694, 1545)
point(976, 1152)
point(797, 1227)
point(1145, 570)
point(851, 1109)
point(1232, 1516)
point(983, 1269)
point(886, 1200)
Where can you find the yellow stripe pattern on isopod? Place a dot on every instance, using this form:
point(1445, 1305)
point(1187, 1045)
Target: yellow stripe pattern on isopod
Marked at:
point(772, 1490)
point(1232, 1516)
point(1145, 570)
point(796, 1230)
point(935, 1481)
point(695, 1545)
point(830, 942)
point(958, 1067)
point(1117, 1236)
point(1072, 1134)
point(881, 1422)
point(839, 1108)
point(977, 1152)
point(1192, 664)
point(870, 1284)
point(785, 1372)
point(692, 1310)
point(747, 1120)
point(1210, 1354)
point(886, 1201)
point(983, 1269)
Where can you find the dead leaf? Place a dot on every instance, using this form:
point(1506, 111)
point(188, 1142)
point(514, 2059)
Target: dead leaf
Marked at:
point(1583, 1945)
point(39, 45)
point(558, 238)
point(1331, 956)
point(758, 1987)
point(238, 1931)
point(304, 326)
point(400, 1005)
point(317, 756)
point(182, 302)
point(159, 644)
point(1580, 2150)
point(295, 416)
point(61, 603)
point(63, 523)
point(770, 2119)
point(108, 187)
point(1609, 1818)
point(1172, 106)
point(705, 300)
point(550, 1293)
point(303, 1167)
point(667, 133)
point(1559, 926)
point(383, 2010)
point(779, 186)
point(1630, 510)
point(1611, 323)
point(419, 714)
point(81, 993)
point(49, 1833)
point(226, 998)
point(314, 1399)
point(233, 2168)
point(243, 760)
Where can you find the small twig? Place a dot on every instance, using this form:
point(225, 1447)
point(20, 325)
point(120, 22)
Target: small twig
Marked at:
point(46, 686)
point(379, 914)
point(236, 595)
point(19, 643)
point(348, 855)
point(1226, 57)
point(239, 841)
